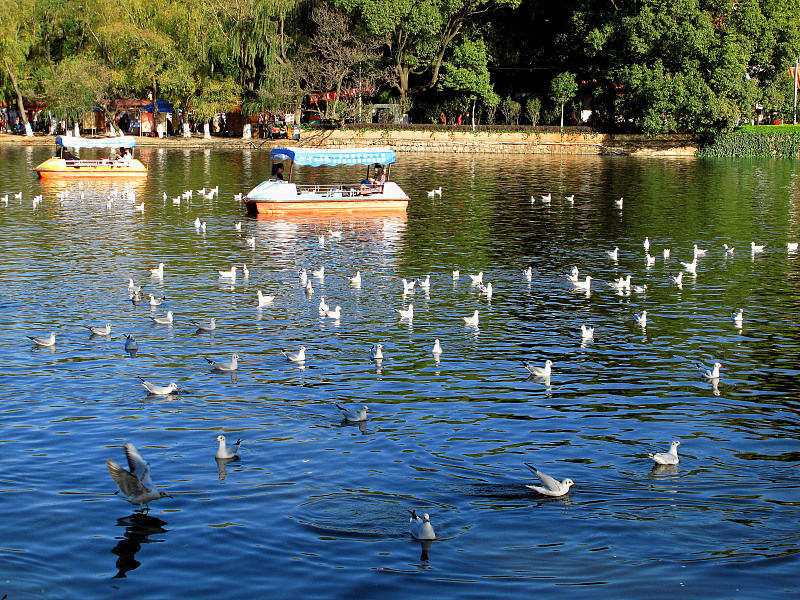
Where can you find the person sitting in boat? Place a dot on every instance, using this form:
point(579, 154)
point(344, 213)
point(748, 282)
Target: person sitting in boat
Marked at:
point(277, 174)
point(375, 183)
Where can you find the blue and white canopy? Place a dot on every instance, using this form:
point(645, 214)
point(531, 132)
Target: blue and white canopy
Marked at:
point(126, 141)
point(317, 157)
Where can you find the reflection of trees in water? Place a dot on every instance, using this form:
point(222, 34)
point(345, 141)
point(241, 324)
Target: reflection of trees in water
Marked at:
point(138, 528)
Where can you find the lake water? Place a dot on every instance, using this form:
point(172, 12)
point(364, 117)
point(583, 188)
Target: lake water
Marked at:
point(317, 508)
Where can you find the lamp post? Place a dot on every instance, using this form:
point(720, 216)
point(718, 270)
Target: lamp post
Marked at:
point(796, 65)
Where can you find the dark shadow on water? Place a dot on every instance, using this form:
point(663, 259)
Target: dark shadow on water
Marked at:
point(138, 529)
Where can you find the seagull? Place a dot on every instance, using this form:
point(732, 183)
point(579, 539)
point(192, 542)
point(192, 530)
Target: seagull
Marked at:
point(308, 289)
point(547, 198)
point(245, 271)
point(135, 485)
point(225, 365)
point(456, 274)
point(319, 273)
point(471, 321)
point(436, 192)
point(212, 325)
point(156, 301)
point(712, 373)
point(583, 285)
point(104, 330)
point(477, 279)
point(552, 487)
point(570, 199)
point(407, 313)
point(298, 357)
point(641, 318)
point(237, 226)
point(139, 207)
point(421, 528)
point(335, 313)
point(263, 300)
point(251, 241)
point(486, 289)
point(728, 250)
point(666, 253)
point(646, 244)
point(335, 234)
point(158, 271)
point(159, 390)
point(690, 267)
point(618, 203)
point(755, 249)
point(649, 261)
point(303, 277)
point(792, 246)
point(587, 333)
point(228, 274)
point(130, 343)
point(45, 342)
point(203, 226)
point(321, 240)
point(699, 251)
point(619, 284)
point(376, 352)
point(639, 289)
point(237, 196)
point(613, 254)
point(354, 416)
point(437, 348)
point(667, 458)
point(542, 372)
point(677, 279)
point(224, 451)
point(425, 284)
point(528, 274)
point(197, 222)
point(323, 306)
point(133, 288)
point(355, 279)
point(573, 275)
point(166, 320)
point(408, 286)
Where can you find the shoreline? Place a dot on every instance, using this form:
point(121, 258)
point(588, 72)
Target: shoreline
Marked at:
point(683, 146)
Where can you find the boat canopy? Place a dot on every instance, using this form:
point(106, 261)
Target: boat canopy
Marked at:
point(316, 157)
point(68, 141)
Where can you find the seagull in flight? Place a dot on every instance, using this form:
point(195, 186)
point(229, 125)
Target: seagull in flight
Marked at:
point(135, 485)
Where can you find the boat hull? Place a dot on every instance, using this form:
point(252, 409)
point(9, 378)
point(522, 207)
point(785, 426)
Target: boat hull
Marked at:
point(57, 167)
point(279, 198)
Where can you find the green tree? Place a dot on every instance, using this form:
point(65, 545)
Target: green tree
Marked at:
point(16, 39)
point(533, 107)
point(465, 72)
point(563, 89)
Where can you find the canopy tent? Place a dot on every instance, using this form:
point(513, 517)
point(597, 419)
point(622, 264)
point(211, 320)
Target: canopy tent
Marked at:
point(316, 157)
point(126, 141)
point(163, 107)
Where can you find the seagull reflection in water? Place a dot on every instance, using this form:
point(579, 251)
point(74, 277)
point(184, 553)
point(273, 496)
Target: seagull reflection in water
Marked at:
point(138, 529)
point(222, 463)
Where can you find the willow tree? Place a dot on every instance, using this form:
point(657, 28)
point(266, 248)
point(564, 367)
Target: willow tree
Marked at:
point(16, 38)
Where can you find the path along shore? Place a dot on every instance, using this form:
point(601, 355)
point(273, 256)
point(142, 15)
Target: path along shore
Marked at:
point(432, 141)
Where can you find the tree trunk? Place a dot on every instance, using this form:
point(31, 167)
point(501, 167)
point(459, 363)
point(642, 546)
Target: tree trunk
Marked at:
point(20, 102)
point(562, 115)
point(155, 106)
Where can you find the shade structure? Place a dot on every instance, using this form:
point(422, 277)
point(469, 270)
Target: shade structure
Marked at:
point(126, 141)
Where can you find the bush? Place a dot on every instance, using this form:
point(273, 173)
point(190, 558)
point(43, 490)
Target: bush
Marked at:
point(782, 141)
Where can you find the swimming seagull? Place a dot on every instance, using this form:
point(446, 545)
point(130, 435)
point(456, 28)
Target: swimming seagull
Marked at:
point(135, 485)
point(738, 317)
point(528, 273)
point(156, 301)
point(225, 365)
point(437, 349)
point(649, 261)
point(133, 288)
point(583, 285)
point(573, 275)
point(792, 246)
point(646, 244)
point(308, 289)
point(728, 250)
point(666, 253)
point(699, 251)
point(707, 373)
point(323, 306)
point(355, 279)
point(421, 528)
point(201, 328)
point(298, 357)
point(231, 274)
point(159, 390)
point(550, 486)
point(425, 284)
point(104, 330)
point(547, 198)
point(471, 321)
point(130, 343)
point(477, 279)
point(690, 267)
point(237, 226)
point(319, 273)
point(354, 416)
point(224, 451)
point(618, 204)
point(755, 249)
point(263, 300)
point(245, 271)
point(334, 313)
point(251, 241)
point(335, 234)
point(45, 342)
point(158, 272)
point(456, 274)
point(166, 320)
point(667, 458)
point(487, 290)
point(407, 314)
point(677, 279)
point(613, 254)
point(408, 286)
point(639, 289)
point(376, 352)
point(542, 372)
point(570, 199)
point(641, 318)
point(587, 333)
point(436, 192)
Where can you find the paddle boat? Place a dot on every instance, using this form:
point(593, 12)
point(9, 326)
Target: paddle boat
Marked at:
point(64, 164)
point(374, 193)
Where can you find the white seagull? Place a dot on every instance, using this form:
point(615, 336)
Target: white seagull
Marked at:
point(224, 451)
point(641, 318)
point(646, 244)
point(456, 274)
point(264, 300)
point(471, 321)
point(156, 301)
point(355, 279)
point(159, 390)
point(728, 250)
point(583, 285)
point(667, 458)
point(618, 204)
point(528, 274)
point(166, 320)
point(755, 249)
point(297, 357)
point(319, 273)
point(666, 253)
point(354, 416)
point(542, 372)
point(699, 251)
point(573, 275)
point(323, 306)
point(46, 342)
point(408, 286)
point(231, 274)
point(707, 373)
point(550, 486)
point(690, 267)
point(225, 365)
point(203, 328)
point(135, 485)
point(376, 352)
point(421, 528)
point(104, 330)
point(477, 279)
point(158, 272)
point(792, 246)
point(587, 333)
point(407, 313)
point(437, 349)
point(334, 313)
point(613, 254)
point(677, 279)
point(738, 317)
